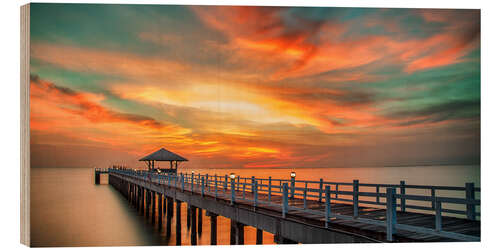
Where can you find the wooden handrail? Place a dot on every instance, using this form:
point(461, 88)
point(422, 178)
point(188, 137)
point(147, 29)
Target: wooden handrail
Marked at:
point(218, 187)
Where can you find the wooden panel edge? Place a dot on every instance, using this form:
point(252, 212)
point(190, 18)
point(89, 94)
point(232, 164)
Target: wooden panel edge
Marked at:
point(25, 124)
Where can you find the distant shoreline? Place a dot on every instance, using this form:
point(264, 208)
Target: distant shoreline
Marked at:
point(388, 166)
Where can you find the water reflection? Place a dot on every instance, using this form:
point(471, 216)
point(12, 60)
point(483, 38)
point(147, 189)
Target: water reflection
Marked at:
point(67, 209)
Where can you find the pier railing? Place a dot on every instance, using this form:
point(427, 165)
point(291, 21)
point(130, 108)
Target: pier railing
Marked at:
point(393, 198)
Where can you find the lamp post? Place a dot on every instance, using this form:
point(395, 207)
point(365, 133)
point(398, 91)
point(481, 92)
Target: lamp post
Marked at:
point(232, 176)
point(292, 184)
point(158, 172)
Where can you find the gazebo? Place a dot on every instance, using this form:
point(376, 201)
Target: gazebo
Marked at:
point(163, 155)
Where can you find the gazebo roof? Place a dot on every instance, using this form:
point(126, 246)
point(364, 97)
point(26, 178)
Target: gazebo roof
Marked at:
point(163, 155)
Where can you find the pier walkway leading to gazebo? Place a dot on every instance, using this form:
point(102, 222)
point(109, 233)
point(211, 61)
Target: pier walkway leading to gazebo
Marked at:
point(306, 211)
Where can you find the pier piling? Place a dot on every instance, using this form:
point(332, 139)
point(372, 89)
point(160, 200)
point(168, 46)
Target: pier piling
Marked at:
point(193, 226)
point(178, 235)
point(141, 200)
point(258, 237)
point(148, 204)
point(213, 228)
point(237, 233)
point(165, 205)
point(160, 213)
point(232, 234)
point(169, 214)
point(97, 176)
point(240, 233)
point(200, 221)
point(138, 199)
point(188, 218)
point(153, 206)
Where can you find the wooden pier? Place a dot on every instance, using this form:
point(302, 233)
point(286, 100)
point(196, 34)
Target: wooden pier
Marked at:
point(97, 174)
point(303, 211)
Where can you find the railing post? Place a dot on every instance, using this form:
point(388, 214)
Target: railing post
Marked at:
point(470, 196)
point(225, 183)
point(238, 184)
point(168, 179)
point(232, 192)
point(336, 191)
point(182, 182)
point(402, 191)
point(269, 189)
point(255, 194)
point(202, 186)
point(192, 182)
point(253, 180)
point(433, 196)
point(215, 187)
point(305, 196)
point(439, 222)
point(327, 205)
point(292, 187)
point(390, 212)
point(244, 188)
point(378, 193)
point(285, 200)
point(206, 178)
point(320, 190)
point(355, 198)
point(207, 183)
point(215, 180)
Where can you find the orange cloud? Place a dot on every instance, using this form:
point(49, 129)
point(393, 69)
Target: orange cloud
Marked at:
point(162, 39)
point(269, 35)
point(85, 105)
point(280, 90)
point(312, 47)
point(448, 50)
point(62, 111)
point(105, 61)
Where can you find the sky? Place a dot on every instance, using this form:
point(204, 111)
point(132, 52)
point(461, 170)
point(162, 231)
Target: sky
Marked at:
point(254, 87)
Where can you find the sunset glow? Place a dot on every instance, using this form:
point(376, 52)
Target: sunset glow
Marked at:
point(254, 87)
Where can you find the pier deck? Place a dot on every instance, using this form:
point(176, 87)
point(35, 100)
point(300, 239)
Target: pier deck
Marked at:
point(322, 212)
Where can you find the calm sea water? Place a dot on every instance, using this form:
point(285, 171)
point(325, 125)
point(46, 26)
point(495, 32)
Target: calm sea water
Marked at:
point(67, 209)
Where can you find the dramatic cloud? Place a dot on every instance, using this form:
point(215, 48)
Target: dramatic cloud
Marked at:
point(83, 105)
point(299, 46)
point(108, 62)
point(256, 87)
point(452, 110)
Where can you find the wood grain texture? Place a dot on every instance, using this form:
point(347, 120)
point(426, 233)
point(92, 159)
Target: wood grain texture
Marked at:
point(25, 124)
